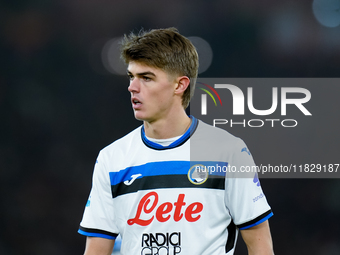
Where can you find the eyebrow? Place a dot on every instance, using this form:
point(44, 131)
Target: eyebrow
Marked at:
point(142, 74)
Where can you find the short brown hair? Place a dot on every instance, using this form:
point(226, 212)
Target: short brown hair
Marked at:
point(167, 50)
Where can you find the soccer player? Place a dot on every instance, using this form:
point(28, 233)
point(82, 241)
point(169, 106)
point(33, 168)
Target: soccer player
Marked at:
point(165, 187)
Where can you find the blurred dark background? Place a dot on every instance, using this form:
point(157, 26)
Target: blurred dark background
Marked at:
point(63, 98)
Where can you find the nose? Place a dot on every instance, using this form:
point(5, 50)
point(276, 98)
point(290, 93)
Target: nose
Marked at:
point(134, 85)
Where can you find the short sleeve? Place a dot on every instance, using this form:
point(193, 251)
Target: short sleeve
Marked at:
point(98, 217)
point(244, 197)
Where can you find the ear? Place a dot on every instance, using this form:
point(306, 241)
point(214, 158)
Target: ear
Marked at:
point(182, 84)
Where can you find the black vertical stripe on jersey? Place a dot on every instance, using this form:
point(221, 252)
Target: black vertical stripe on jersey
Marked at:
point(231, 237)
point(165, 181)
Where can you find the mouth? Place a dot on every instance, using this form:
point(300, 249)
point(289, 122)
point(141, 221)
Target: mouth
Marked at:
point(135, 102)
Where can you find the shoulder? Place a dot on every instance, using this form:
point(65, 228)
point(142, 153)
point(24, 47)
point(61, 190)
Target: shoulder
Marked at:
point(123, 144)
point(214, 144)
point(217, 135)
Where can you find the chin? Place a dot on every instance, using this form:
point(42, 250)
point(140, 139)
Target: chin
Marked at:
point(143, 117)
point(139, 116)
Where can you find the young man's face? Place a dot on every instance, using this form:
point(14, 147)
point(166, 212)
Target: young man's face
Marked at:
point(152, 92)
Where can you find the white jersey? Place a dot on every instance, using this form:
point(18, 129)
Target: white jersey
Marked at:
point(185, 198)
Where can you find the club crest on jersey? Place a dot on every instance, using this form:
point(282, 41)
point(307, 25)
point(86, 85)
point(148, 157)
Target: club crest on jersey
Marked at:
point(198, 174)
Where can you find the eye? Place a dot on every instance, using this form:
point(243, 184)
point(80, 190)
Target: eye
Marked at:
point(130, 77)
point(146, 78)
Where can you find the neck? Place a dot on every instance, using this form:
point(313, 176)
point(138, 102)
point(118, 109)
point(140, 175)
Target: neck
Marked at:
point(171, 126)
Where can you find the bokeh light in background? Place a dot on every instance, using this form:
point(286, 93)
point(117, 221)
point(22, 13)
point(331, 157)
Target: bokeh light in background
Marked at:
point(327, 12)
point(110, 55)
point(205, 53)
point(296, 32)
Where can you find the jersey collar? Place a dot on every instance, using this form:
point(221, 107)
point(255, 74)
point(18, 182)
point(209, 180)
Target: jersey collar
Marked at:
point(176, 143)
